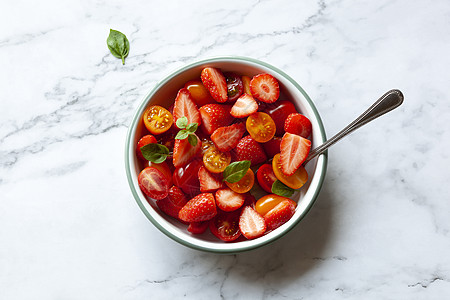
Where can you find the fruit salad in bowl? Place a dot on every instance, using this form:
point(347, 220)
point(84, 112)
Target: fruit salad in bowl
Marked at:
point(215, 154)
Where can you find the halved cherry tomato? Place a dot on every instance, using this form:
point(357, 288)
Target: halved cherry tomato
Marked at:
point(245, 184)
point(235, 87)
point(206, 144)
point(153, 183)
point(216, 161)
point(226, 226)
point(246, 83)
point(199, 93)
point(266, 177)
point(266, 203)
point(157, 119)
point(272, 147)
point(295, 181)
point(261, 127)
point(164, 169)
point(145, 140)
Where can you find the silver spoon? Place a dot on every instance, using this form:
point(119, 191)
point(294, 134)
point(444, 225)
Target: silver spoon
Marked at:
point(392, 99)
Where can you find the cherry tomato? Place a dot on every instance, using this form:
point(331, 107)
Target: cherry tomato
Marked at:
point(216, 161)
point(261, 127)
point(145, 140)
point(206, 144)
point(198, 227)
point(295, 181)
point(246, 82)
point(266, 203)
point(164, 169)
point(279, 111)
point(157, 119)
point(245, 184)
point(266, 177)
point(153, 183)
point(235, 87)
point(186, 177)
point(272, 147)
point(226, 226)
point(199, 93)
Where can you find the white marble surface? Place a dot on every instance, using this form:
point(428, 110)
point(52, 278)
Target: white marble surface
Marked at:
point(69, 226)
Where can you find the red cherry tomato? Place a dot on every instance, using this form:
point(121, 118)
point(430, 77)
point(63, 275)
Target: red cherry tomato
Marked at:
point(272, 147)
point(199, 93)
point(153, 183)
point(279, 111)
point(266, 177)
point(235, 87)
point(198, 227)
point(186, 177)
point(164, 169)
point(145, 140)
point(226, 226)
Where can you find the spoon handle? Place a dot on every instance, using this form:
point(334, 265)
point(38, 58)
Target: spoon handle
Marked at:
point(392, 99)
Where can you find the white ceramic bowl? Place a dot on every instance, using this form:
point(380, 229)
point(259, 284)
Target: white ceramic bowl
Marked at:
point(164, 94)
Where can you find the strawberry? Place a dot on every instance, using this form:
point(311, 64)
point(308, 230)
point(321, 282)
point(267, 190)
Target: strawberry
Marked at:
point(198, 227)
point(265, 88)
point(216, 83)
point(244, 106)
point(229, 200)
point(280, 214)
point(298, 124)
point(185, 106)
point(294, 150)
point(215, 116)
point(200, 208)
point(145, 140)
point(251, 224)
point(173, 203)
point(249, 149)
point(183, 151)
point(226, 138)
point(209, 181)
point(272, 147)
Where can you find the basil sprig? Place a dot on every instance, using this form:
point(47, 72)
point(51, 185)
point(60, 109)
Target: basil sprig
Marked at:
point(156, 153)
point(281, 189)
point(118, 44)
point(187, 131)
point(236, 170)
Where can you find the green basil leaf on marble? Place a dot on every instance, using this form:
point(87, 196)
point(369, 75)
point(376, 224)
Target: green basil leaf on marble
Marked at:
point(118, 44)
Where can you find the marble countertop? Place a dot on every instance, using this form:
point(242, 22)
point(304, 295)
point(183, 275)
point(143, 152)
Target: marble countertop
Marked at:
point(69, 226)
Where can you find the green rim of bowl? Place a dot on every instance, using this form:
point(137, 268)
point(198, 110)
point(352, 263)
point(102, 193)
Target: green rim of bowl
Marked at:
point(323, 158)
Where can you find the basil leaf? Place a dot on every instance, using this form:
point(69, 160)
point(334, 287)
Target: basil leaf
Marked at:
point(182, 122)
point(192, 138)
point(155, 152)
point(235, 171)
point(182, 134)
point(118, 44)
point(192, 127)
point(281, 189)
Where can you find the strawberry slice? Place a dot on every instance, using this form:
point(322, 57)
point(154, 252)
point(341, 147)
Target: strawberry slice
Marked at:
point(280, 214)
point(229, 200)
point(209, 181)
point(173, 203)
point(198, 227)
point(183, 151)
point(200, 208)
point(216, 83)
point(265, 88)
point(226, 138)
point(298, 124)
point(185, 106)
point(249, 149)
point(244, 106)
point(251, 224)
point(214, 116)
point(294, 150)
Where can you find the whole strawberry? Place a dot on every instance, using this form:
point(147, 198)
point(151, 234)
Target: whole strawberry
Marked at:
point(249, 149)
point(200, 208)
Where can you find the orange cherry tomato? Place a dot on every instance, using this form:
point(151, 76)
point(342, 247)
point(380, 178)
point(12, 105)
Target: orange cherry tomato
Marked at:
point(216, 161)
point(206, 144)
point(266, 203)
point(157, 119)
point(245, 184)
point(261, 127)
point(246, 83)
point(199, 93)
point(295, 181)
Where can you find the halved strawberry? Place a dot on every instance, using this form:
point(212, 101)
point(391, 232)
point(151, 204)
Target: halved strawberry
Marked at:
point(209, 181)
point(229, 200)
point(294, 150)
point(215, 116)
point(226, 138)
point(216, 84)
point(251, 224)
point(249, 149)
point(298, 124)
point(280, 214)
point(244, 106)
point(173, 203)
point(198, 227)
point(265, 88)
point(185, 106)
point(183, 151)
point(200, 208)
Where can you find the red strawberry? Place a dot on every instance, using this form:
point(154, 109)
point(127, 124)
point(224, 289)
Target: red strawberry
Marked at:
point(294, 150)
point(215, 116)
point(272, 147)
point(249, 149)
point(183, 151)
point(200, 208)
point(229, 200)
point(198, 227)
point(280, 214)
point(216, 84)
point(226, 138)
point(298, 124)
point(185, 106)
point(244, 106)
point(209, 181)
point(265, 88)
point(173, 203)
point(145, 140)
point(251, 224)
